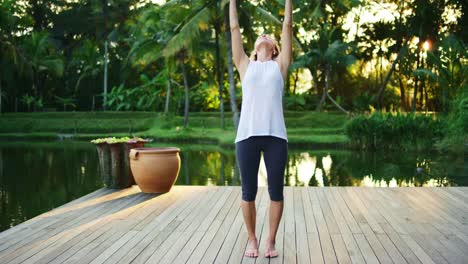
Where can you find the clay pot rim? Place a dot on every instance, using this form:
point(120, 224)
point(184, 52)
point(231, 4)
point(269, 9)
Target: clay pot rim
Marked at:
point(151, 150)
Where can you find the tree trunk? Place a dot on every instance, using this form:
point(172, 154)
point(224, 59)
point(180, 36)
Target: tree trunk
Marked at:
point(415, 92)
point(1, 96)
point(324, 89)
point(184, 73)
point(168, 93)
point(104, 102)
point(296, 77)
point(219, 75)
point(402, 94)
point(389, 74)
point(322, 100)
point(425, 98)
point(186, 167)
point(336, 104)
point(325, 92)
point(421, 94)
point(232, 85)
point(35, 91)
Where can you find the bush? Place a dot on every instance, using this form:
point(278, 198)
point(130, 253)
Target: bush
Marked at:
point(394, 131)
point(456, 126)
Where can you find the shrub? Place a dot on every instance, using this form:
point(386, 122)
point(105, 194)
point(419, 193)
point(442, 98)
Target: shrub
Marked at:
point(456, 126)
point(394, 131)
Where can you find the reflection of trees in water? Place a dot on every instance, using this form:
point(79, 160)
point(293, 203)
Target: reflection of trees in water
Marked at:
point(348, 168)
point(185, 154)
point(403, 167)
point(339, 176)
point(35, 179)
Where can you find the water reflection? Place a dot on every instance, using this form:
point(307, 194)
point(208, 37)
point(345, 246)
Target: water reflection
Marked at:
point(204, 166)
point(36, 177)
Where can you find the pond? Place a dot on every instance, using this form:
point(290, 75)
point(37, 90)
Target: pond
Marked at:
point(37, 177)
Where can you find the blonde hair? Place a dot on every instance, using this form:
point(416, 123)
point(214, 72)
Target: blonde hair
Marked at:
point(276, 51)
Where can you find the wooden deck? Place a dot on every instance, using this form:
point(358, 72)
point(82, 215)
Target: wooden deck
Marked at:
point(199, 224)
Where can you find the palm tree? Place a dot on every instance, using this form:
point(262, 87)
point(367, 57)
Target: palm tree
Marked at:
point(232, 85)
point(155, 42)
point(449, 70)
point(329, 53)
point(424, 23)
point(86, 61)
point(41, 58)
point(197, 17)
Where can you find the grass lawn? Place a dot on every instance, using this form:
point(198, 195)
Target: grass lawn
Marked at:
point(311, 128)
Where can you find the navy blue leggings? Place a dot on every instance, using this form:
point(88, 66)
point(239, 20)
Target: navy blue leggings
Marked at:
point(275, 154)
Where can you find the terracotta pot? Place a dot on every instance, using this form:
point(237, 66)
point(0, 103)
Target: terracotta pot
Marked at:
point(126, 160)
point(155, 169)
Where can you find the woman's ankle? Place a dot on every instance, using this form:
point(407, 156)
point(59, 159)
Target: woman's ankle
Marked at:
point(271, 241)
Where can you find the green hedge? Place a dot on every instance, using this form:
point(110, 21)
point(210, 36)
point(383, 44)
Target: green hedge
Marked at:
point(394, 131)
point(456, 138)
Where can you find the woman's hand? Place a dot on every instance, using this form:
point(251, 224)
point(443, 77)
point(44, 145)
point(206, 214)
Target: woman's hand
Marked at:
point(238, 54)
point(285, 56)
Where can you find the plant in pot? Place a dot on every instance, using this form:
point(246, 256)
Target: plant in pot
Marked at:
point(114, 161)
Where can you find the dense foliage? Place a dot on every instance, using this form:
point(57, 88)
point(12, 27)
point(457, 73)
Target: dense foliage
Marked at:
point(395, 131)
point(52, 53)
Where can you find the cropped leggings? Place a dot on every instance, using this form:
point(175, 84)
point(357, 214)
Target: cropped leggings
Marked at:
point(275, 154)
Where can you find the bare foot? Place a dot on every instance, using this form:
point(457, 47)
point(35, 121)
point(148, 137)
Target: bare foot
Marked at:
point(252, 249)
point(271, 250)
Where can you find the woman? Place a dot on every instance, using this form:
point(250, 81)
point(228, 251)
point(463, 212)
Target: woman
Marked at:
point(261, 125)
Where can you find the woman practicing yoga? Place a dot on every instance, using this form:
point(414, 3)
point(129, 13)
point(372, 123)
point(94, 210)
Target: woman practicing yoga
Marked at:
point(261, 125)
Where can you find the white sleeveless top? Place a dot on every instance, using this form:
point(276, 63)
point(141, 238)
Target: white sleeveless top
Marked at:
point(262, 101)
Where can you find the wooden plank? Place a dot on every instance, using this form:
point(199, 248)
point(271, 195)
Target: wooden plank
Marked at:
point(218, 208)
point(120, 244)
point(231, 238)
point(313, 241)
point(449, 252)
point(221, 235)
point(71, 216)
point(108, 245)
point(441, 220)
point(352, 248)
point(383, 205)
point(365, 248)
point(125, 222)
point(289, 243)
point(238, 250)
point(172, 220)
point(279, 242)
point(261, 215)
point(200, 224)
point(338, 243)
point(303, 255)
point(324, 236)
point(360, 238)
point(417, 246)
point(68, 231)
point(378, 245)
point(447, 202)
point(461, 191)
point(198, 248)
point(264, 228)
point(179, 237)
point(41, 220)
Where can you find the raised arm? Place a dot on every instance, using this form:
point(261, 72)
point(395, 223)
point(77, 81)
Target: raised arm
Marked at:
point(239, 57)
point(285, 56)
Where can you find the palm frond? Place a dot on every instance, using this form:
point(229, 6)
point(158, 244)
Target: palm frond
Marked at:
point(145, 52)
point(188, 31)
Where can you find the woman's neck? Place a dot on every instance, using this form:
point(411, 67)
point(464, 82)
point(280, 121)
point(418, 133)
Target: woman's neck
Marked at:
point(263, 54)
